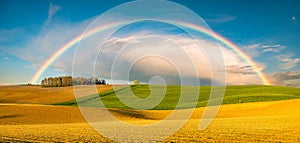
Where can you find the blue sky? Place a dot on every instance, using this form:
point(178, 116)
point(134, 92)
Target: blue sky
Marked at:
point(268, 31)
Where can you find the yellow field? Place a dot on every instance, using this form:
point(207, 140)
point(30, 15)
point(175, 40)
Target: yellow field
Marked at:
point(38, 95)
point(276, 121)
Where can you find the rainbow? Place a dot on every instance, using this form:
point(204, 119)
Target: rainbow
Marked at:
point(228, 43)
point(206, 31)
point(67, 46)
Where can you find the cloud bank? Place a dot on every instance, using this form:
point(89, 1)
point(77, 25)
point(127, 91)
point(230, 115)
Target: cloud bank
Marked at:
point(291, 78)
point(287, 61)
point(142, 53)
point(275, 53)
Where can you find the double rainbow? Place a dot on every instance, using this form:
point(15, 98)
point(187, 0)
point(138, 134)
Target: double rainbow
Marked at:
point(198, 28)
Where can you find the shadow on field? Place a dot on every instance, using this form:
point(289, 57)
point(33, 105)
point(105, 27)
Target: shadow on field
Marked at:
point(131, 113)
point(10, 116)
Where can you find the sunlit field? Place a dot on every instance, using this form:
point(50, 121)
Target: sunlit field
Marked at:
point(38, 95)
point(233, 95)
point(267, 121)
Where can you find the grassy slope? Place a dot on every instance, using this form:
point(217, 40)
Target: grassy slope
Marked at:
point(233, 95)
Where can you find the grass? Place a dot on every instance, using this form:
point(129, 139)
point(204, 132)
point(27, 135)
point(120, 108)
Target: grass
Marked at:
point(233, 95)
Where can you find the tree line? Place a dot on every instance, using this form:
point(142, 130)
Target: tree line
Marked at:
point(63, 81)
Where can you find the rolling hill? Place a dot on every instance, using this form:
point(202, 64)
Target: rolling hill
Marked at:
point(233, 95)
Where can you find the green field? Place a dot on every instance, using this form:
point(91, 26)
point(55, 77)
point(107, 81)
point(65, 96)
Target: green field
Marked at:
point(233, 95)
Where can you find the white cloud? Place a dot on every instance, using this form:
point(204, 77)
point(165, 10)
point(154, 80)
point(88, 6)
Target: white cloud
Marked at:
point(6, 58)
point(283, 61)
point(273, 48)
point(253, 46)
point(180, 51)
point(256, 50)
point(286, 78)
point(294, 19)
point(252, 50)
point(53, 9)
point(177, 57)
point(220, 18)
point(287, 75)
point(51, 38)
point(287, 61)
point(129, 39)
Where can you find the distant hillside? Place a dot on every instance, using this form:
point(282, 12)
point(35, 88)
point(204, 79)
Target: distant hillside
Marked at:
point(38, 95)
point(233, 95)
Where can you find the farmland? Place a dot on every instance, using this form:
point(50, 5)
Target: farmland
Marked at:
point(38, 95)
point(24, 117)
